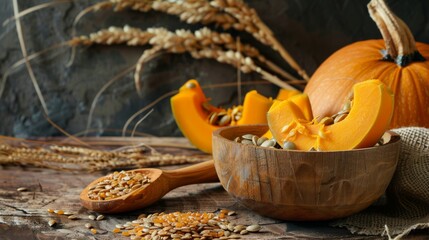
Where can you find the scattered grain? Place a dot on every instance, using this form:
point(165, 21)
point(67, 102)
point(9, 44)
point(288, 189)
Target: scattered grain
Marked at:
point(22, 189)
point(118, 184)
point(52, 222)
point(73, 217)
point(253, 228)
point(100, 217)
point(92, 217)
point(59, 212)
point(178, 225)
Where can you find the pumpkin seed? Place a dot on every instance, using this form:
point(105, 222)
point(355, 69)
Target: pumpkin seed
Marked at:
point(269, 143)
point(248, 136)
point(225, 120)
point(340, 117)
point(191, 85)
point(289, 145)
point(253, 228)
point(327, 121)
point(21, 189)
point(213, 118)
point(246, 142)
point(52, 222)
point(73, 217)
point(255, 140)
point(261, 140)
point(347, 106)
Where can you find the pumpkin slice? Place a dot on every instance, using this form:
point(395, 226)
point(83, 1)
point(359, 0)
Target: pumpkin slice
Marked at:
point(285, 94)
point(368, 119)
point(193, 114)
point(300, 102)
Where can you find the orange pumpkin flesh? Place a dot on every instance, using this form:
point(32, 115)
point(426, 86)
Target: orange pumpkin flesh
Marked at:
point(368, 119)
point(192, 118)
point(406, 73)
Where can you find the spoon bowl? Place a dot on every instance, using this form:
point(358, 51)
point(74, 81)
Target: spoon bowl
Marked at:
point(161, 182)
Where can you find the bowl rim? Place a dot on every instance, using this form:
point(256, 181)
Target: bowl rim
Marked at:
point(395, 138)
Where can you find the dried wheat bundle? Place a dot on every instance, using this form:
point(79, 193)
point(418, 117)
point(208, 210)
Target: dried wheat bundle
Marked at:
point(175, 42)
point(72, 158)
point(224, 13)
point(203, 43)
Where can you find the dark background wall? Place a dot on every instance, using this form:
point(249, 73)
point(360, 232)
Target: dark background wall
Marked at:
point(310, 30)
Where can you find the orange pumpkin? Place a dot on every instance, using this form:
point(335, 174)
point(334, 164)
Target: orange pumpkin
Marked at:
point(403, 66)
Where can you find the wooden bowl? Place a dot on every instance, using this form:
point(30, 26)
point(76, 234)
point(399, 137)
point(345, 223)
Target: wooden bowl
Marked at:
point(302, 185)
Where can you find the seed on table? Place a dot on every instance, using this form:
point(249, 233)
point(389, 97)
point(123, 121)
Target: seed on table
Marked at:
point(253, 228)
point(231, 213)
point(67, 213)
point(59, 212)
point(231, 226)
point(50, 210)
point(88, 225)
point(237, 139)
point(244, 232)
point(92, 217)
point(52, 222)
point(94, 231)
point(239, 228)
point(22, 189)
point(100, 217)
point(73, 217)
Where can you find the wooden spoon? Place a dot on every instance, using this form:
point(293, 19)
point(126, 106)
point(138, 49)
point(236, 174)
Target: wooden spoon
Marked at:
point(161, 183)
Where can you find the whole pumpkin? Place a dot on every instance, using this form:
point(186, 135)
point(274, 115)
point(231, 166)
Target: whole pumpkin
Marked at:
point(397, 60)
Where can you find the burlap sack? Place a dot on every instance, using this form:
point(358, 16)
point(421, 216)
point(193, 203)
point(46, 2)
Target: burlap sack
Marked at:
point(405, 206)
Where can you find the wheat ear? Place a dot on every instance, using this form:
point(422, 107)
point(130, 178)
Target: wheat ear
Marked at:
point(224, 13)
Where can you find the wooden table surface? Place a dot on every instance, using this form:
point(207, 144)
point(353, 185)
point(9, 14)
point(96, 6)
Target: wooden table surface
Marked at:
point(23, 215)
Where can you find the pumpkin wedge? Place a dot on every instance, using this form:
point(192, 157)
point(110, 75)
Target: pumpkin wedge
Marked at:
point(300, 103)
point(194, 115)
point(368, 119)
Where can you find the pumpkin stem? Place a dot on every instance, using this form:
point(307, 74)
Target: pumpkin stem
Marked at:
point(400, 42)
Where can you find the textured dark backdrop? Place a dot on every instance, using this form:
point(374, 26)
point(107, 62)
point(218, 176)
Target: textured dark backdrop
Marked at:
point(309, 29)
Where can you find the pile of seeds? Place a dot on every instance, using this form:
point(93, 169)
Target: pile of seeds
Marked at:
point(225, 116)
point(190, 225)
point(117, 184)
point(257, 141)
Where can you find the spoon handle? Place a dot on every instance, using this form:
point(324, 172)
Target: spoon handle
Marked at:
point(204, 172)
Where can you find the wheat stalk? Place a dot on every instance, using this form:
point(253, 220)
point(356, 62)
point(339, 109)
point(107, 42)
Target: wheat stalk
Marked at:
point(224, 13)
point(71, 158)
point(203, 43)
point(200, 38)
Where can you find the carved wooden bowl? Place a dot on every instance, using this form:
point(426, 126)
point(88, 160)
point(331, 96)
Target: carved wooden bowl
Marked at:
point(302, 185)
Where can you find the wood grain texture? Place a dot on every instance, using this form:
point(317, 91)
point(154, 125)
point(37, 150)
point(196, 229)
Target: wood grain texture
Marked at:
point(298, 185)
point(23, 215)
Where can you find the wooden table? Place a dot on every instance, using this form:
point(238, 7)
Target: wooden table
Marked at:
point(23, 215)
